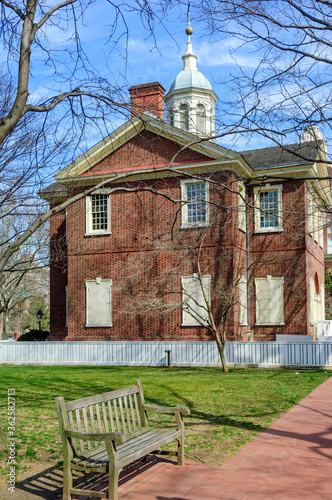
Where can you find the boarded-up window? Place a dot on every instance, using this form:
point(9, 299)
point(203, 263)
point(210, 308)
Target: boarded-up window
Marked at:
point(242, 206)
point(98, 302)
point(269, 301)
point(243, 300)
point(194, 305)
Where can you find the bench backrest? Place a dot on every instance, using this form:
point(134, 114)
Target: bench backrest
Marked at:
point(116, 411)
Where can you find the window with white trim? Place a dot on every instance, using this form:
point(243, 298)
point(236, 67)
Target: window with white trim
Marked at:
point(268, 208)
point(242, 206)
point(194, 304)
point(310, 214)
point(184, 116)
point(243, 320)
point(99, 302)
point(194, 195)
point(269, 301)
point(98, 214)
point(200, 118)
point(66, 293)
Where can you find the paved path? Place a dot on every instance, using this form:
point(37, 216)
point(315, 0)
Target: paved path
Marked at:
point(291, 460)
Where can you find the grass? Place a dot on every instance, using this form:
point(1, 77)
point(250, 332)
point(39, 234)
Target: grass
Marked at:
point(227, 410)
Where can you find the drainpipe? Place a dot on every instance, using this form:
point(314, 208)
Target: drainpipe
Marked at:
point(249, 332)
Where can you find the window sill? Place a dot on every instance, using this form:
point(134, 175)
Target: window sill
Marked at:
point(106, 233)
point(269, 324)
point(195, 226)
point(242, 229)
point(268, 230)
point(98, 326)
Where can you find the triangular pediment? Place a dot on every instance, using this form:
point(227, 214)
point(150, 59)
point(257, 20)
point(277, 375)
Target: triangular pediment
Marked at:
point(144, 144)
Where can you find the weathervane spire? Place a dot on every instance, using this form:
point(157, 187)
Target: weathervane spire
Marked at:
point(189, 30)
point(189, 59)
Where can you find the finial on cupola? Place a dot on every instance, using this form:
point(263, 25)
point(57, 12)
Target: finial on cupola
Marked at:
point(189, 30)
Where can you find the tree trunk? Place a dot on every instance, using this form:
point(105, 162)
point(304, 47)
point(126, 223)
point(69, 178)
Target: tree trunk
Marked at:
point(4, 324)
point(221, 348)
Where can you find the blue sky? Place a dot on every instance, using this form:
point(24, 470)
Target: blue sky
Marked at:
point(136, 59)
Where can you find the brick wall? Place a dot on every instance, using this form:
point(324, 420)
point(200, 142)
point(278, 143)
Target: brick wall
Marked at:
point(147, 252)
point(58, 276)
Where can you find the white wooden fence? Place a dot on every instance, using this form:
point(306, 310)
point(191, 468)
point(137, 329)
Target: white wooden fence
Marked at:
point(315, 354)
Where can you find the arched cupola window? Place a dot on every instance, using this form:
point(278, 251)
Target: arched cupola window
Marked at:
point(170, 116)
point(184, 117)
point(201, 118)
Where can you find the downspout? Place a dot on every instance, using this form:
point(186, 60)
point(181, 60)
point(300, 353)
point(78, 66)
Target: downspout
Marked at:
point(249, 332)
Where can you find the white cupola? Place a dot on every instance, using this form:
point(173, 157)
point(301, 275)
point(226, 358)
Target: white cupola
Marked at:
point(190, 100)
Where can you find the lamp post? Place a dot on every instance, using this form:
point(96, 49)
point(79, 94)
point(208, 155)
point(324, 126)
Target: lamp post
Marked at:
point(39, 317)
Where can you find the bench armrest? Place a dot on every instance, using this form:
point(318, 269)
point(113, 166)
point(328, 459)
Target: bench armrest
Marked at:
point(117, 437)
point(167, 409)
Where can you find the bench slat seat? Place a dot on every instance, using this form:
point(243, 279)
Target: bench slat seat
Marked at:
point(143, 444)
point(106, 432)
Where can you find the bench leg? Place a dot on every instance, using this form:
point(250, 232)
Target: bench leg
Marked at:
point(67, 482)
point(180, 451)
point(113, 481)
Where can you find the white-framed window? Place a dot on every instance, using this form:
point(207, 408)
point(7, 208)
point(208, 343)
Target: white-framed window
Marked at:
point(194, 305)
point(195, 197)
point(243, 320)
point(317, 225)
point(317, 300)
point(201, 118)
point(66, 292)
point(329, 233)
point(184, 117)
point(269, 301)
point(268, 208)
point(99, 302)
point(310, 214)
point(98, 214)
point(242, 206)
point(170, 116)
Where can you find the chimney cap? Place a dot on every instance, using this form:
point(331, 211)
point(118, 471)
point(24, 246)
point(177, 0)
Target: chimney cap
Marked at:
point(152, 85)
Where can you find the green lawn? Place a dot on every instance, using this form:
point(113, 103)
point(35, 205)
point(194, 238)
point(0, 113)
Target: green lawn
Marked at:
point(227, 410)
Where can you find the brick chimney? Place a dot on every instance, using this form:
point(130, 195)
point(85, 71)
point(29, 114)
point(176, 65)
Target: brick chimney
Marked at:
point(149, 98)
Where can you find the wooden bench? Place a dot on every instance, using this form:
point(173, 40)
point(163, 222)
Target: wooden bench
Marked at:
point(106, 432)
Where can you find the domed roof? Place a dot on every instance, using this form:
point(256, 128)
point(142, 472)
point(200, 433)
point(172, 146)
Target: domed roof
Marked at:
point(190, 78)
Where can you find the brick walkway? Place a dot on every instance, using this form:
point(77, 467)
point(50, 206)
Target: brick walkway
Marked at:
point(291, 460)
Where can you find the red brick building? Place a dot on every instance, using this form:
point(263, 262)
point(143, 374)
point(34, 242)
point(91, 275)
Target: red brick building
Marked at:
point(182, 226)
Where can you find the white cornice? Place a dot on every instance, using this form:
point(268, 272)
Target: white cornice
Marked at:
point(162, 172)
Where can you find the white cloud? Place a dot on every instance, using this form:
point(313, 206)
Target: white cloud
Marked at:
point(225, 54)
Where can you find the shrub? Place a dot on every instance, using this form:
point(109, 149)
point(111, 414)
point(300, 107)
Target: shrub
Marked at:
point(37, 335)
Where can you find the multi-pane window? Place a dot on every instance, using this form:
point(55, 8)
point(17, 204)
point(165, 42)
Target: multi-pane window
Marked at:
point(195, 203)
point(98, 213)
point(329, 234)
point(268, 205)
